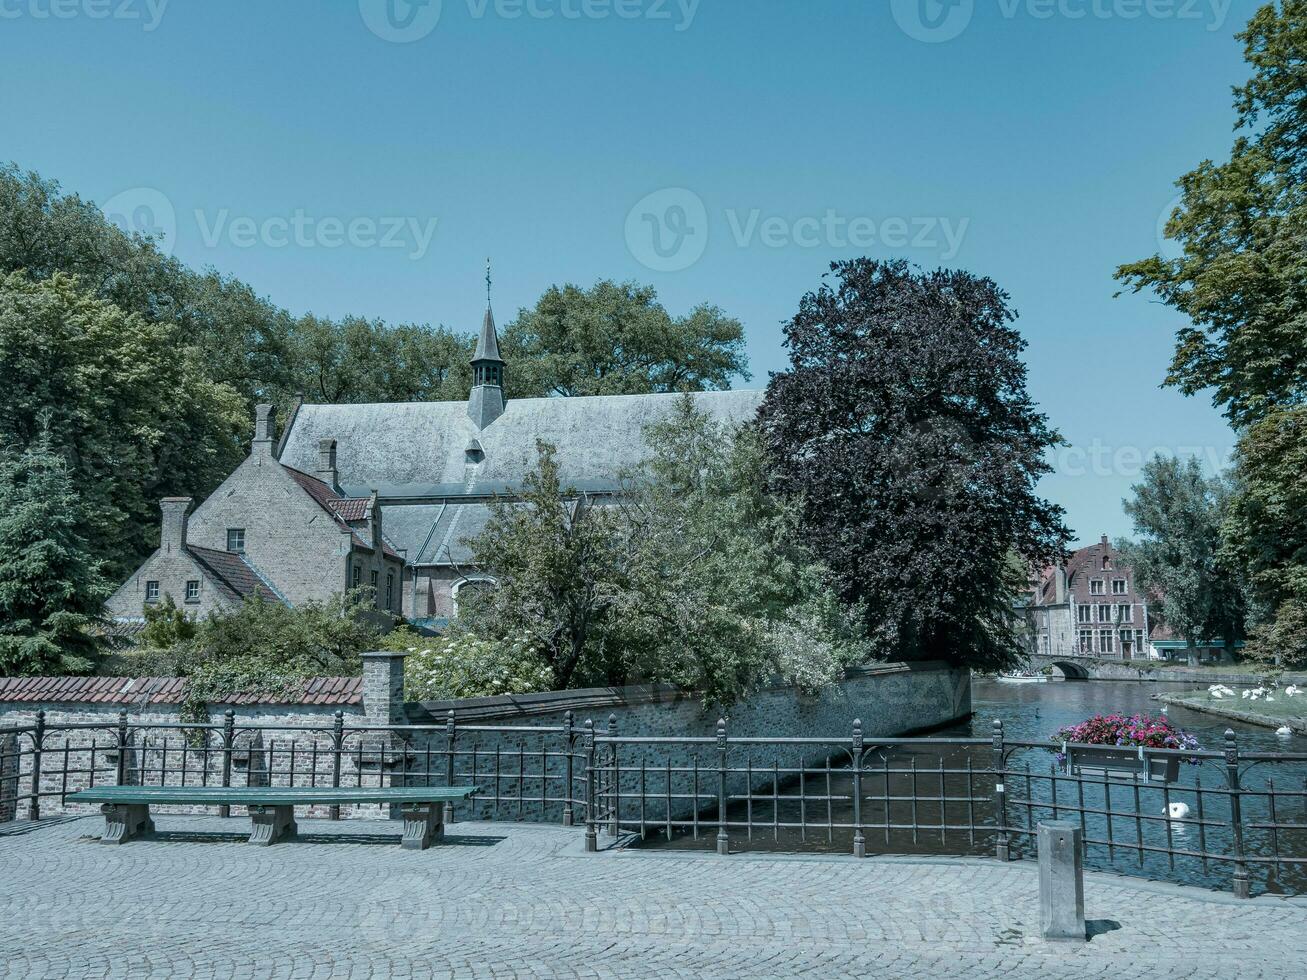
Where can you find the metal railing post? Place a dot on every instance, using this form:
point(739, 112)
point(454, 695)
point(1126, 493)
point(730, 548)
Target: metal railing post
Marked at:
point(568, 817)
point(228, 743)
point(9, 765)
point(120, 775)
point(591, 833)
point(449, 764)
point(337, 747)
point(1002, 845)
point(723, 838)
point(859, 839)
point(614, 814)
point(1242, 888)
point(38, 737)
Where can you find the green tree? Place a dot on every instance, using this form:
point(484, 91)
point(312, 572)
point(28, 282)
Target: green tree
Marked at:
point(1266, 534)
point(122, 399)
point(358, 360)
point(720, 595)
point(905, 432)
point(51, 586)
point(1242, 225)
point(617, 339)
point(1178, 560)
point(556, 562)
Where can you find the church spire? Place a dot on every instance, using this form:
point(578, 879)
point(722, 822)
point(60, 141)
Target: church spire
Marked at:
point(487, 400)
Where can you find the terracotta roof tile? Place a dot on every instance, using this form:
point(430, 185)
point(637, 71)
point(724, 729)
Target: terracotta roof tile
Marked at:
point(159, 690)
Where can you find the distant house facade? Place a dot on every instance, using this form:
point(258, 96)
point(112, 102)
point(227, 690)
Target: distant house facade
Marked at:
point(1091, 606)
point(285, 534)
point(387, 495)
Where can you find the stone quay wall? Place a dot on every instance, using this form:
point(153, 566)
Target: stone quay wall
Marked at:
point(520, 749)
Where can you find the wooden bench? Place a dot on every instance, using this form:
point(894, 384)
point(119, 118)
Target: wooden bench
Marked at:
point(126, 809)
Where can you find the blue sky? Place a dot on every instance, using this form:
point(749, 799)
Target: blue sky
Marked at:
point(365, 156)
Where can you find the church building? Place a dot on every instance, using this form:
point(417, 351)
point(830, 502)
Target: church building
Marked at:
point(386, 495)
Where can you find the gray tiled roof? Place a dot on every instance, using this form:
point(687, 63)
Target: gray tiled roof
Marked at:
point(417, 450)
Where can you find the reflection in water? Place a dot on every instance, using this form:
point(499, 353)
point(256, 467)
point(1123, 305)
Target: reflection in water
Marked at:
point(928, 800)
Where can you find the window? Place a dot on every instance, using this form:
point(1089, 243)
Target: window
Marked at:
point(390, 590)
point(467, 590)
point(357, 577)
point(1104, 612)
point(1097, 586)
point(152, 591)
point(1106, 642)
point(1107, 563)
point(1119, 586)
point(236, 539)
point(193, 590)
point(1125, 613)
point(1086, 641)
point(1127, 641)
point(1083, 613)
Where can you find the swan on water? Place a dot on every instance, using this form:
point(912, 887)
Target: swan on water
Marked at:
point(1178, 811)
point(1284, 731)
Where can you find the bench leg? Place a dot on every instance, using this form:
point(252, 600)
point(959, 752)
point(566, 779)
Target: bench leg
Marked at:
point(423, 824)
point(270, 824)
point(124, 821)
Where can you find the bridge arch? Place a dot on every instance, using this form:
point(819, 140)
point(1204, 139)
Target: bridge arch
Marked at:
point(1069, 670)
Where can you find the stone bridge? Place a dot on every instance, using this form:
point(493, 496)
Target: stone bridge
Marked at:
point(1080, 668)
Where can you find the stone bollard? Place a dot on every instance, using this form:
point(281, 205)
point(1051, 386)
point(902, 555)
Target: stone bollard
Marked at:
point(8, 777)
point(1061, 882)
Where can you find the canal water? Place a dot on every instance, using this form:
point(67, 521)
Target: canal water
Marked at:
point(901, 788)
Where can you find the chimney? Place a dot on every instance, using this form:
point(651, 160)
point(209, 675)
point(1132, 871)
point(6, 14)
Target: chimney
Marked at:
point(327, 472)
point(1105, 542)
point(1059, 584)
point(172, 534)
point(265, 429)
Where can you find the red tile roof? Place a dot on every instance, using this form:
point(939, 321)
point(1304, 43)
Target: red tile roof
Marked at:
point(233, 573)
point(161, 690)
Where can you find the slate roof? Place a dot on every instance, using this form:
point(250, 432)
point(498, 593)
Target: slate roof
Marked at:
point(414, 454)
point(162, 690)
point(232, 573)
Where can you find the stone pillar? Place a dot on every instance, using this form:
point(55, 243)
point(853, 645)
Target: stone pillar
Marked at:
point(1061, 882)
point(383, 687)
point(383, 704)
point(8, 777)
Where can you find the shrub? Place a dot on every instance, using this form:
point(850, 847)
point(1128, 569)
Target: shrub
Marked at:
point(462, 666)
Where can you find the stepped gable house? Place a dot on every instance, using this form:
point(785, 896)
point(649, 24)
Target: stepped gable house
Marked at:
point(386, 494)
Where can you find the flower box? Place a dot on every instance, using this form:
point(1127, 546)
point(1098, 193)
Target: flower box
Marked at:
point(1104, 761)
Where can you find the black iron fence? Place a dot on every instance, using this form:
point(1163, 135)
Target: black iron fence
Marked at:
point(1221, 818)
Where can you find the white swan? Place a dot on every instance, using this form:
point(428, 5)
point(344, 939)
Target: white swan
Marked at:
point(1284, 731)
point(1177, 811)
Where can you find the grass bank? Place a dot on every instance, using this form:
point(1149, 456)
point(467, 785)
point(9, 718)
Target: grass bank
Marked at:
point(1282, 711)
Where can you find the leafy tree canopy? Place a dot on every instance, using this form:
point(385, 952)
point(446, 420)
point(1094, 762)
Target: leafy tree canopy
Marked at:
point(904, 430)
point(1178, 559)
point(1266, 534)
point(122, 399)
point(617, 339)
point(51, 587)
point(1242, 278)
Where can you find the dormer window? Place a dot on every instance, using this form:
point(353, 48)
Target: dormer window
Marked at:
point(236, 539)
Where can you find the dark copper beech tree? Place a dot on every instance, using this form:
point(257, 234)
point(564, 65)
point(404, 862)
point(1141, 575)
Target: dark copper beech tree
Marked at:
point(905, 429)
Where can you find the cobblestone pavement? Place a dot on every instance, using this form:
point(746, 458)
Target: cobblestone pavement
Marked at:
point(515, 900)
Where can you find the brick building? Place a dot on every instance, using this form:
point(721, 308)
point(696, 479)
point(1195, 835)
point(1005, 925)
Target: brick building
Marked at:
point(270, 529)
point(388, 494)
point(1090, 606)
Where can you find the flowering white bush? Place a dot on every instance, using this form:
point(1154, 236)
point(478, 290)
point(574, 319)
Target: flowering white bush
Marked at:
point(463, 666)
